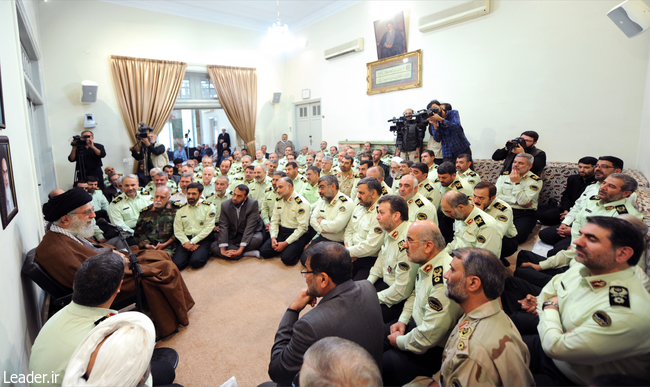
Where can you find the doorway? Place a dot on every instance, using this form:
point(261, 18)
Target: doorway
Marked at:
point(309, 131)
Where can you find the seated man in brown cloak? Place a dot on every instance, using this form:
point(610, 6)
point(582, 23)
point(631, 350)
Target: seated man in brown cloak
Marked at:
point(66, 245)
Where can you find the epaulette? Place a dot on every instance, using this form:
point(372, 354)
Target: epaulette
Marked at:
point(619, 296)
point(177, 204)
point(500, 207)
point(356, 175)
point(535, 177)
point(436, 277)
point(343, 198)
point(144, 192)
point(473, 174)
point(437, 180)
point(146, 208)
point(298, 200)
point(595, 197)
point(505, 173)
point(117, 199)
point(175, 192)
point(212, 194)
point(206, 203)
point(268, 189)
point(479, 221)
point(278, 199)
point(621, 209)
point(458, 185)
point(384, 191)
point(428, 187)
point(419, 203)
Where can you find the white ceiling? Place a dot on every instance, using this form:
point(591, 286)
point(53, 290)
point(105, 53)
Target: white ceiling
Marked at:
point(253, 15)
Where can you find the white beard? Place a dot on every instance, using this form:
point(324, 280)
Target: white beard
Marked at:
point(81, 228)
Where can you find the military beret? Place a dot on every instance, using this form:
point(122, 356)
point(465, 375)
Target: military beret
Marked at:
point(65, 203)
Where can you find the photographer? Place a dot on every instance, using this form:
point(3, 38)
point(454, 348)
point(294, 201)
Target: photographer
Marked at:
point(88, 156)
point(446, 129)
point(409, 138)
point(148, 149)
point(522, 144)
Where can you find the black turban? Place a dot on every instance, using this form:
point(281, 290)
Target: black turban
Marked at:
point(65, 203)
point(178, 161)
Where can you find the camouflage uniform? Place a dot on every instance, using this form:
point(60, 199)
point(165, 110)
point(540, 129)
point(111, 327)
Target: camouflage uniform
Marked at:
point(157, 226)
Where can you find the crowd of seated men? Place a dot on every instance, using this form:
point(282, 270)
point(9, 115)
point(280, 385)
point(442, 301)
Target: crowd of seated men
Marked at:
point(408, 257)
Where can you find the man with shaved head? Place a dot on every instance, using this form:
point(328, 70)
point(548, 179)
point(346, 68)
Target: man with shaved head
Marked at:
point(378, 173)
point(419, 207)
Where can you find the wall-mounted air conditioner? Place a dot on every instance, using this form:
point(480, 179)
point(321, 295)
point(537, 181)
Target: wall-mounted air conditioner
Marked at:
point(457, 14)
point(354, 46)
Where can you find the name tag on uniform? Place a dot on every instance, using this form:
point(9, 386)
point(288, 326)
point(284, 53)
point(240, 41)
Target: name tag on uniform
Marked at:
point(125, 208)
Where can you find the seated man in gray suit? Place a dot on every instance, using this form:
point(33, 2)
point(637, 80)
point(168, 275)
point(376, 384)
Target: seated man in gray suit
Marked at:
point(348, 309)
point(240, 227)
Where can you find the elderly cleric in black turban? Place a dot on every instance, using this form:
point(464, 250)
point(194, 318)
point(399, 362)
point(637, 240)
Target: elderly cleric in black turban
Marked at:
point(65, 203)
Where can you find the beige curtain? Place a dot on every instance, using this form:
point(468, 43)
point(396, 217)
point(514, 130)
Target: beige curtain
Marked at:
point(146, 90)
point(237, 91)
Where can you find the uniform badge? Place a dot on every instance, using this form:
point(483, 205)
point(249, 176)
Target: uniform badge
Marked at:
point(428, 187)
point(619, 296)
point(200, 223)
point(461, 345)
point(505, 173)
point(598, 284)
point(479, 221)
point(534, 177)
point(502, 218)
point(437, 276)
point(595, 197)
point(435, 304)
point(422, 216)
point(298, 200)
point(621, 209)
point(470, 221)
point(404, 266)
point(301, 211)
point(212, 214)
point(427, 269)
point(383, 191)
point(465, 332)
point(401, 246)
point(377, 230)
point(343, 198)
point(419, 203)
point(458, 185)
point(534, 187)
point(500, 207)
point(394, 234)
point(601, 318)
point(390, 269)
point(480, 239)
point(342, 208)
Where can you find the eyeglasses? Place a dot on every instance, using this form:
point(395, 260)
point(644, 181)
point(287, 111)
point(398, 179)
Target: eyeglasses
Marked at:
point(87, 213)
point(303, 272)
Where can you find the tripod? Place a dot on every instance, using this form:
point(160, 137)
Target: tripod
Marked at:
point(80, 168)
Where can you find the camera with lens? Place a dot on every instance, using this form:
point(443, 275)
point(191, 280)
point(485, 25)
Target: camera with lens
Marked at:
point(143, 131)
point(423, 114)
point(512, 144)
point(79, 141)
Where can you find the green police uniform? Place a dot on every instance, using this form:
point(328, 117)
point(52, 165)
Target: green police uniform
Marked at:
point(346, 181)
point(363, 235)
point(268, 204)
point(99, 201)
point(395, 186)
point(236, 168)
point(336, 215)
point(522, 195)
point(590, 191)
point(433, 313)
point(208, 189)
point(257, 190)
point(427, 189)
point(457, 185)
point(310, 192)
point(394, 268)
point(151, 186)
point(478, 230)
point(485, 349)
point(502, 212)
point(282, 164)
point(178, 197)
point(421, 209)
point(156, 225)
point(216, 201)
point(292, 213)
point(124, 211)
point(299, 182)
point(601, 327)
point(197, 221)
point(301, 159)
point(433, 172)
point(470, 177)
point(330, 172)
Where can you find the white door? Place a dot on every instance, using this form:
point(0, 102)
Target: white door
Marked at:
point(308, 125)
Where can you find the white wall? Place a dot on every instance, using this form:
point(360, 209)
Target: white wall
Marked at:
point(561, 68)
point(643, 162)
point(78, 39)
point(20, 301)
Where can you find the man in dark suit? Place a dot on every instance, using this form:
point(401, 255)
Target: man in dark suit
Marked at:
point(223, 138)
point(240, 227)
point(348, 309)
point(111, 190)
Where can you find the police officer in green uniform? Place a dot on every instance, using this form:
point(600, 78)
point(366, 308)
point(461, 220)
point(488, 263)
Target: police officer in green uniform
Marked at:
point(417, 338)
point(310, 189)
point(327, 166)
point(485, 199)
point(155, 227)
point(447, 181)
point(180, 196)
point(419, 207)
point(220, 195)
point(193, 227)
point(392, 274)
point(363, 235)
point(160, 179)
point(302, 157)
point(268, 205)
point(332, 213)
point(473, 227)
point(207, 181)
point(125, 209)
point(428, 158)
point(593, 319)
point(289, 225)
point(291, 169)
point(363, 169)
point(425, 187)
point(346, 176)
point(520, 188)
point(463, 164)
point(259, 185)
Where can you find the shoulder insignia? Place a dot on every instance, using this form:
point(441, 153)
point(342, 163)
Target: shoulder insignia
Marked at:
point(458, 185)
point(206, 203)
point(480, 239)
point(534, 187)
point(422, 216)
point(473, 174)
point(177, 204)
point(502, 218)
point(343, 198)
point(301, 211)
point(182, 205)
point(428, 187)
point(377, 230)
point(117, 200)
point(621, 209)
point(212, 214)
point(404, 266)
point(595, 197)
point(419, 203)
point(619, 296)
point(298, 200)
point(471, 181)
point(342, 208)
point(500, 207)
point(479, 221)
point(505, 173)
point(144, 192)
point(601, 318)
point(437, 180)
point(146, 208)
point(436, 278)
point(435, 304)
point(383, 191)
point(268, 189)
point(535, 177)
point(278, 199)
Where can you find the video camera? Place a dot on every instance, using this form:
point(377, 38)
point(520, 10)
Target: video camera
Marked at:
point(79, 141)
point(512, 144)
point(143, 131)
point(419, 119)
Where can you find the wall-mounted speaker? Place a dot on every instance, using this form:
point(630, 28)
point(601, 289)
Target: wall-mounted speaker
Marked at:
point(276, 97)
point(89, 92)
point(631, 16)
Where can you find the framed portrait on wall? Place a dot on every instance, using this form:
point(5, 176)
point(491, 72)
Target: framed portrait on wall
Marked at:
point(390, 35)
point(8, 203)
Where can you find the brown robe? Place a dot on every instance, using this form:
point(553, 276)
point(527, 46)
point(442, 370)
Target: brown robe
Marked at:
point(168, 298)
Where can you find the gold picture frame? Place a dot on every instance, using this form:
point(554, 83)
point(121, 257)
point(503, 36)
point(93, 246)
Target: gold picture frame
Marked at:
point(398, 72)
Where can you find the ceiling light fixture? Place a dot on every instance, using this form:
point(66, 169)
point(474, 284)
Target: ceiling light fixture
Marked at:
point(278, 37)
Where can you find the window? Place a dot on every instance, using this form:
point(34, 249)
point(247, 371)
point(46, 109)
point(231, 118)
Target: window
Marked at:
point(197, 86)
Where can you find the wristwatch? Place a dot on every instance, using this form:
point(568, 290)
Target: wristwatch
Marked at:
point(550, 303)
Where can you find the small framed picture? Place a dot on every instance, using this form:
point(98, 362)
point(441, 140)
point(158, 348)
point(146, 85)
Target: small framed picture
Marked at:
point(8, 203)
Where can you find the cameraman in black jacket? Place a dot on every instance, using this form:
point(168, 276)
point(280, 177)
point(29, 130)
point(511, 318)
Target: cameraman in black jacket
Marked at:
point(148, 149)
point(90, 156)
point(523, 144)
point(409, 140)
